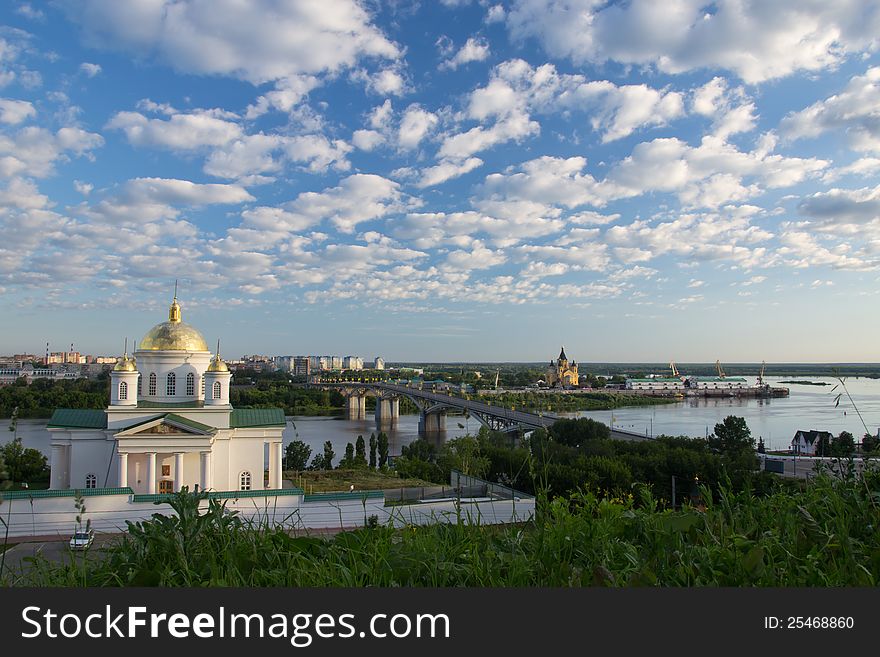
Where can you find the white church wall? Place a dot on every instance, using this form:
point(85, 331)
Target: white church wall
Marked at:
point(220, 463)
point(191, 470)
point(247, 455)
point(161, 363)
point(92, 454)
point(56, 516)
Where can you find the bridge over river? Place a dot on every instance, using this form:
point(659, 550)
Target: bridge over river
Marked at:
point(434, 406)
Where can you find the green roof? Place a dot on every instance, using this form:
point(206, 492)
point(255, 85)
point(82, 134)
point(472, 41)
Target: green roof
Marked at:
point(78, 418)
point(344, 495)
point(175, 418)
point(657, 379)
point(195, 403)
point(717, 378)
point(257, 417)
point(221, 495)
point(185, 421)
point(62, 492)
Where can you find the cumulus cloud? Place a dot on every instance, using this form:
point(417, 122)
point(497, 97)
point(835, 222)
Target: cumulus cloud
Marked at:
point(318, 152)
point(842, 206)
point(259, 42)
point(415, 125)
point(731, 110)
point(182, 192)
point(89, 69)
point(726, 235)
point(754, 39)
point(854, 111)
point(516, 90)
point(474, 50)
point(367, 140)
point(865, 166)
point(447, 170)
point(13, 112)
point(357, 198)
point(34, 151)
point(180, 131)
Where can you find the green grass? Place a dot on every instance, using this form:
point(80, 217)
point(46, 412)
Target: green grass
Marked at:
point(575, 401)
point(823, 535)
point(319, 481)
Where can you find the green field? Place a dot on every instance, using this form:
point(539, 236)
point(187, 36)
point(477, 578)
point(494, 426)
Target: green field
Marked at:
point(823, 535)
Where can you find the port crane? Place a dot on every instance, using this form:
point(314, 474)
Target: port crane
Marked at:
point(720, 369)
point(761, 375)
point(674, 369)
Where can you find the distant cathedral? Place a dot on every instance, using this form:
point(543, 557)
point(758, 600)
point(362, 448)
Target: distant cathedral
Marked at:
point(562, 372)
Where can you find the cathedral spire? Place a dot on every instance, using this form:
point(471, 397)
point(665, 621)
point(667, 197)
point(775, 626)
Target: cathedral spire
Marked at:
point(562, 355)
point(174, 310)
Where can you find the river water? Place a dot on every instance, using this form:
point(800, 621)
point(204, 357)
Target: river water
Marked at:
point(775, 420)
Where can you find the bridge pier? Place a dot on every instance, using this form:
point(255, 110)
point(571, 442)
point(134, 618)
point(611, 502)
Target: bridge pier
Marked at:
point(356, 407)
point(387, 410)
point(432, 422)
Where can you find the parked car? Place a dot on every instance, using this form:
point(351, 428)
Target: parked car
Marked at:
point(82, 539)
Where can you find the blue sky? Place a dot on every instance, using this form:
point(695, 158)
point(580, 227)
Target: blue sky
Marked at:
point(451, 180)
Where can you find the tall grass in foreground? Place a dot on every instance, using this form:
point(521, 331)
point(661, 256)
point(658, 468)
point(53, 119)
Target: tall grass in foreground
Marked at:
point(825, 535)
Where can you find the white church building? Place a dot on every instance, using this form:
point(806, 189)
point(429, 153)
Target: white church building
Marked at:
point(169, 424)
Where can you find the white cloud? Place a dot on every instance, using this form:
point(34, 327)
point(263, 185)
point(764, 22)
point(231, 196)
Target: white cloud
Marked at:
point(855, 111)
point(843, 206)
point(415, 125)
point(478, 257)
point(801, 249)
point(260, 41)
point(30, 12)
point(13, 112)
point(495, 14)
point(33, 151)
point(286, 95)
point(358, 198)
point(516, 90)
point(756, 40)
point(708, 175)
point(318, 152)
point(180, 132)
point(367, 140)
point(726, 235)
point(731, 110)
point(474, 50)
point(83, 188)
point(90, 70)
point(446, 170)
point(864, 167)
point(248, 155)
point(171, 191)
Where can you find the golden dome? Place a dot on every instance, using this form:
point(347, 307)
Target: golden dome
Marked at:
point(217, 365)
point(173, 335)
point(125, 364)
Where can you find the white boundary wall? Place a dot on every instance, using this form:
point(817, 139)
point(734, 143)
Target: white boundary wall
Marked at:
point(56, 516)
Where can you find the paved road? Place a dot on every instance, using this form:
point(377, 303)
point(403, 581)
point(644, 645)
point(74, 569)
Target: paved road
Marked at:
point(52, 550)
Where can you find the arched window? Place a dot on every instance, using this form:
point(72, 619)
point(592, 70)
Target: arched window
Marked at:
point(170, 384)
point(123, 390)
point(244, 481)
point(152, 388)
point(190, 384)
point(216, 390)
point(91, 481)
